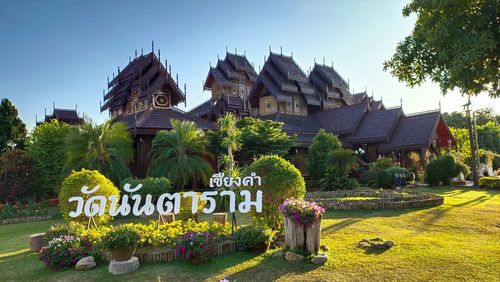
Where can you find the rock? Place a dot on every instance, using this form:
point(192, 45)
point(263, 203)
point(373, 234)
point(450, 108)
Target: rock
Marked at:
point(279, 254)
point(85, 263)
point(291, 256)
point(122, 267)
point(324, 248)
point(320, 259)
point(389, 244)
point(37, 241)
point(364, 245)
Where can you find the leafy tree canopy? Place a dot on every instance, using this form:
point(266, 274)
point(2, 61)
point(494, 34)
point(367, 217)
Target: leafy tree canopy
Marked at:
point(319, 152)
point(483, 116)
point(12, 129)
point(453, 43)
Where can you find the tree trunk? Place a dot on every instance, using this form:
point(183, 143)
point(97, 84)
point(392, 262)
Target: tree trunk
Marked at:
point(313, 234)
point(475, 178)
point(298, 237)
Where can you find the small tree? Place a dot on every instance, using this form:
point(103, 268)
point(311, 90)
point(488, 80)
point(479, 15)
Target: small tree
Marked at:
point(18, 176)
point(12, 129)
point(321, 148)
point(338, 167)
point(46, 147)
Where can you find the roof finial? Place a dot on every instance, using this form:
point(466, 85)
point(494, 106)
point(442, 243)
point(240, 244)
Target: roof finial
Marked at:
point(365, 89)
point(235, 51)
point(401, 102)
point(269, 48)
point(348, 83)
point(259, 68)
point(103, 95)
point(323, 61)
point(76, 107)
point(314, 60)
point(210, 63)
point(36, 119)
point(142, 51)
point(177, 78)
point(108, 81)
point(118, 69)
point(264, 59)
point(185, 96)
point(159, 55)
point(45, 111)
point(113, 75)
point(170, 69)
point(152, 46)
point(244, 53)
point(136, 53)
point(53, 105)
point(218, 57)
point(291, 55)
point(166, 64)
point(281, 50)
point(129, 59)
point(440, 106)
point(226, 49)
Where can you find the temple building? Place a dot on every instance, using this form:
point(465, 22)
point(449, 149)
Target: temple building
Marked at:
point(145, 97)
point(69, 116)
point(322, 99)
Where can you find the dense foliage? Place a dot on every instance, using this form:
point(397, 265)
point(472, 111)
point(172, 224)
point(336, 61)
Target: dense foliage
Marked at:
point(280, 180)
point(72, 185)
point(65, 251)
point(106, 147)
point(150, 185)
point(120, 237)
point(18, 176)
point(483, 116)
point(384, 179)
point(12, 129)
point(317, 156)
point(46, 146)
point(490, 182)
point(453, 43)
point(23, 210)
point(249, 237)
point(180, 155)
point(441, 170)
point(63, 229)
point(302, 212)
point(338, 167)
point(257, 137)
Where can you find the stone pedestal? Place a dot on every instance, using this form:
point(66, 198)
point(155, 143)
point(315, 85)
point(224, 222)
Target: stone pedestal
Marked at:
point(122, 267)
point(37, 241)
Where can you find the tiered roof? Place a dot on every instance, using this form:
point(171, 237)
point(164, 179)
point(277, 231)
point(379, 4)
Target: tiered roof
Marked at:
point(233, 69)
point(145, 75)
point(329, 83)
point(64, 115)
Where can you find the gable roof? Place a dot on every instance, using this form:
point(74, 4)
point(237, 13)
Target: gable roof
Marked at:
point(233, 69)
point(202, 109)
point(343, 120)
point(304, 127)
point(282, 77)
point(412, 132)
point(146, 75)
point(376, 126)
point(328, 80)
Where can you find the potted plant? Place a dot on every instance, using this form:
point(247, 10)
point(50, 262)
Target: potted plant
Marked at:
point(195, 246)
point(255, 239)
point(122, 242)
point(302, 224)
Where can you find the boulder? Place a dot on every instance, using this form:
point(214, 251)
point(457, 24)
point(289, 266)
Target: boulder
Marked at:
point(291, 256)
point(85, 263)
point(37, 241)
point(320, 259)
point(122, 267)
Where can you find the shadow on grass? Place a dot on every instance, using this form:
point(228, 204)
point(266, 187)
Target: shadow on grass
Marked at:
point(271, 268)
point(15, 255)
point(340, 225)
point(375, 251)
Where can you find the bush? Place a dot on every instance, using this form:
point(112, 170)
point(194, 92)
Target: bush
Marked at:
point(441, 170)
point(194, 244)
point(323, 144)
point(401, 170)
point(280, 180)
point(381, 163)
point(490, 183)
point(60, 230)
point(18, 176)
point(65, 251)
point(486, 157)
point(150, 185)
point(369, 177)
point(338, 167)
point(384, 179)
point(464, 169)
point(122, 236)
point(248, 237)
point(72, 186)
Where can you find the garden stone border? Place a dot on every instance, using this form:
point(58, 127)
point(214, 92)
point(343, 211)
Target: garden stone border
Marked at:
point(386, 199)
point(168, 254)
point(34, 218)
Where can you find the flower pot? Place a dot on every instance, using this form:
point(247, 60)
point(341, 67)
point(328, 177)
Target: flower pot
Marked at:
point(200, 259)
point(122, 254)
point(260, 247)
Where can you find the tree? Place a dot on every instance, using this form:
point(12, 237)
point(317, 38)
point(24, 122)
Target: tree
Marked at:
point(47, 148)
point(483, 116)
point(321, 148)
point(453, 43)
point(106, 147)
point(18, 176)
point(455, 119)
point(180, 154)
point(488, 136)
point(12, 129)
point(339, 165)
point(257, 137)
point(461, 151)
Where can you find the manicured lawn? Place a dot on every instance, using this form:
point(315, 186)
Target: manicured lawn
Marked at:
point(457, 241)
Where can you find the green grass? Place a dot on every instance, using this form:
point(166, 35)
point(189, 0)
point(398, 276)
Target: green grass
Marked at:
point(456, 241)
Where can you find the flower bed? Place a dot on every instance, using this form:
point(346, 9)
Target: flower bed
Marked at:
point(20, 213)
point(382, 199)
point(65, 251)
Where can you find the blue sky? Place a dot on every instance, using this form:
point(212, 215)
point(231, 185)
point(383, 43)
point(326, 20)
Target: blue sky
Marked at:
point(63, 51)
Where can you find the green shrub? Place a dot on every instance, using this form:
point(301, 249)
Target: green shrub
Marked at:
point(72, 186)
point(323, 144)
point(441, 170)
point(248, 237)
point(381, 163)
point(338, 167)
point(384, 179)
point(490, 183)
point(486, 157)
point(280, 180)
point(401, 170)
point(464, 169)
point(150, 185)
point(369, 177)
point(122, 236)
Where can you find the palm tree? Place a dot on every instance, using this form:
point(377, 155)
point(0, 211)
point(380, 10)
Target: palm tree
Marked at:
point(180, 154)
point(107, 148)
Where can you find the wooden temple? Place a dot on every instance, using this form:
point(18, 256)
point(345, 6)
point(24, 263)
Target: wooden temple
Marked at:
point(69, 116)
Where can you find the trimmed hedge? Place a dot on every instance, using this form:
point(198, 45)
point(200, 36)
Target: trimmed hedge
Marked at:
point(384, 179)
point(441, 170)
point(490, 183)
point(150, 185)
